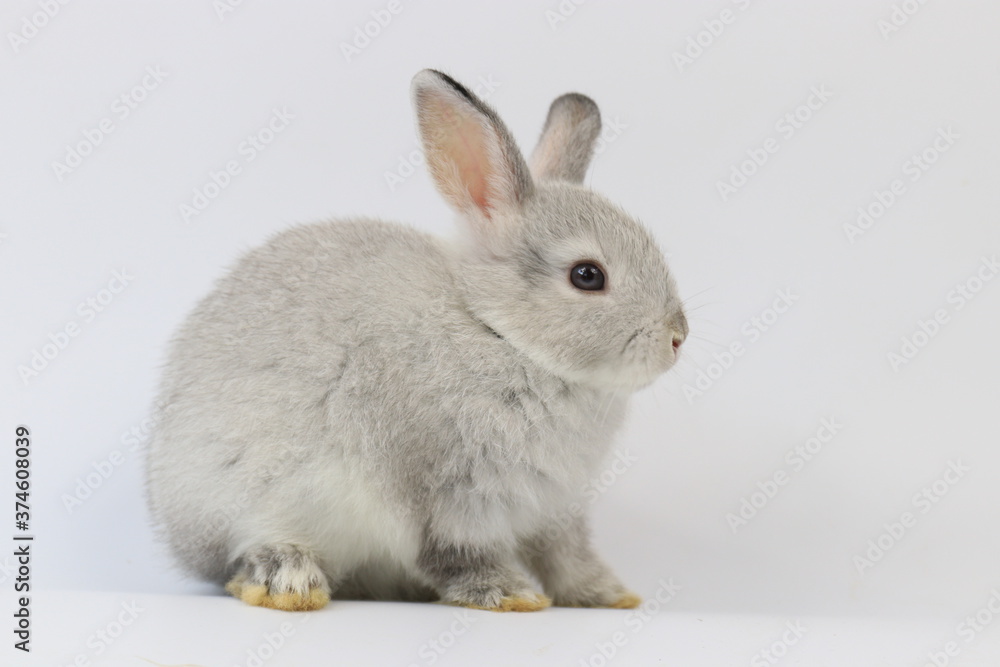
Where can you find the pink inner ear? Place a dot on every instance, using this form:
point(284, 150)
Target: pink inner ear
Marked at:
point(470, 157)
point(460, 155)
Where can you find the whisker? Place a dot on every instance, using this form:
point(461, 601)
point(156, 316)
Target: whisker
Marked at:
point(707, 340)
point(684, 301)
point(694, 308)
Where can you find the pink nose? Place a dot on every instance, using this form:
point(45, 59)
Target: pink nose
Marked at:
point(677, 343)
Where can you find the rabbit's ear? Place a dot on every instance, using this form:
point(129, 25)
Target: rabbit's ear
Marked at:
point(475, 163)
point(567, 142)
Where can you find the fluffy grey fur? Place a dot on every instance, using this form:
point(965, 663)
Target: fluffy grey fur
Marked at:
point(411, 417)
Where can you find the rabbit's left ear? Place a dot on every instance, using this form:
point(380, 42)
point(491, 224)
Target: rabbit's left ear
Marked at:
point(471, 155)
point(567, 142)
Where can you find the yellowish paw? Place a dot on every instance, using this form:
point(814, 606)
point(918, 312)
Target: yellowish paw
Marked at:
point(627, 601)
point(524, 603)
point(516, 603)
point(258, 596)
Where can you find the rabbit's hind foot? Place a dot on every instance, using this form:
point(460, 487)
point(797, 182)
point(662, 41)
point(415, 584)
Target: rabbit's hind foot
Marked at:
point(280, 576)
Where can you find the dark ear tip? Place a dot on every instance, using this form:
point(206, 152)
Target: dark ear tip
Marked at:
point(432, 78)
point(576, 101)
point(426, 79)
point(579, 107)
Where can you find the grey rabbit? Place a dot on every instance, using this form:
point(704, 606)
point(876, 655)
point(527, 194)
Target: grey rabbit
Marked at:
point(362, 410)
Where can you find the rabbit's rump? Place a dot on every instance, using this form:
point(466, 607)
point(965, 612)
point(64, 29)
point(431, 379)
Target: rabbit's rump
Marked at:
point(329, 389)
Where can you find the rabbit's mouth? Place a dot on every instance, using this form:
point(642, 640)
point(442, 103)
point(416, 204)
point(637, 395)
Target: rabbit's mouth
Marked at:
point(648, 353)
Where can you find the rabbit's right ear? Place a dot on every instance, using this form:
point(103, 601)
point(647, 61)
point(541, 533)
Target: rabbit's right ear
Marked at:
point(567, 142)
point(474, 161)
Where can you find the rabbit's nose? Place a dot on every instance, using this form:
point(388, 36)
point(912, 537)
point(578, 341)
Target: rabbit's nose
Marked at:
point(678, 329)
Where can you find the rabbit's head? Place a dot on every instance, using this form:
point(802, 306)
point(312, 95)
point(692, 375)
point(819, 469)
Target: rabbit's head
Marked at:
point(568, 278)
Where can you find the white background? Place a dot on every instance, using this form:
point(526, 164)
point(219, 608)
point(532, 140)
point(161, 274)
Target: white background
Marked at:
point(674, 131)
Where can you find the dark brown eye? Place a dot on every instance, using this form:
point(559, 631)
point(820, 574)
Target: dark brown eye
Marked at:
point(587, 276)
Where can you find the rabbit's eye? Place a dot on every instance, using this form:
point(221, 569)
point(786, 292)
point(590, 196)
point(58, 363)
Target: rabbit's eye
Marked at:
point(587, 276)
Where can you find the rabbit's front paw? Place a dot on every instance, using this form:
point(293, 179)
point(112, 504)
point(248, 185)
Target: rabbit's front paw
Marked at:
point(478, 578)
point(612, 598)
point(280, 576)
point(627, 600)
point(497, 598)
